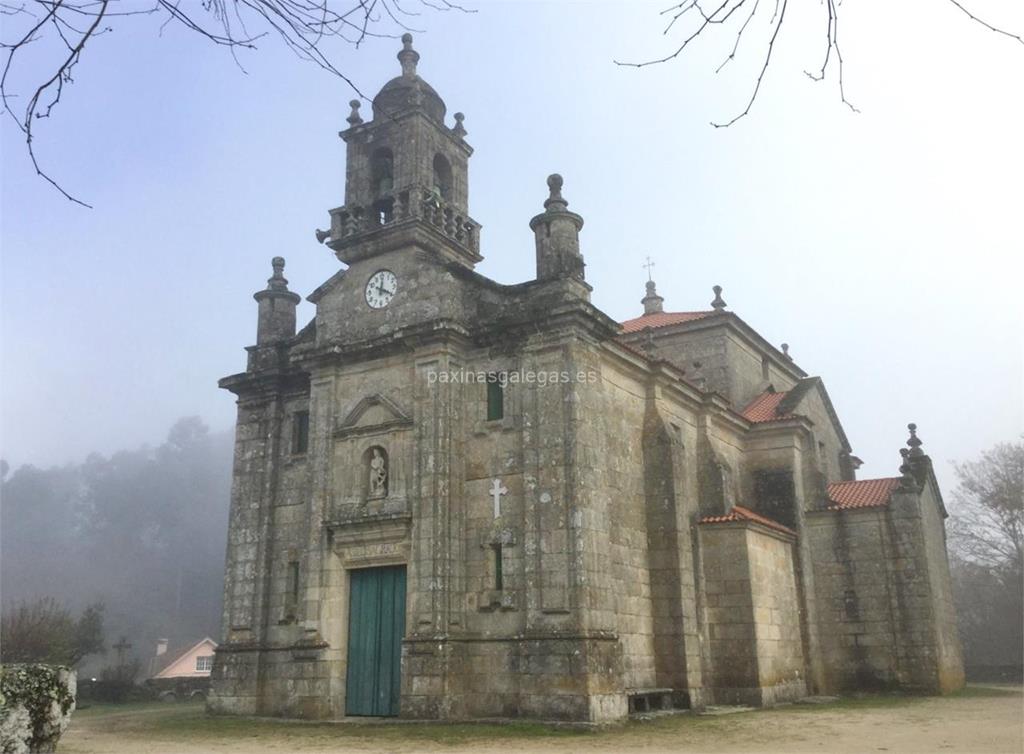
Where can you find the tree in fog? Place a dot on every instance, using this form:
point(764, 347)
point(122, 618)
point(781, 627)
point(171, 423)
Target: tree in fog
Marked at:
point(987, 545)
point(142, 530)
point(43, 630)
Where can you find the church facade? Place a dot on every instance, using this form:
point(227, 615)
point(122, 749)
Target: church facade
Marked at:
point(458, 499)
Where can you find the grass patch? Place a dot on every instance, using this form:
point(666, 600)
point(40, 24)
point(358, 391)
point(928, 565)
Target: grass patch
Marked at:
point(189, 722)
point(100, 709)
point(972, 691)
point(884, 700)
point(860, 701)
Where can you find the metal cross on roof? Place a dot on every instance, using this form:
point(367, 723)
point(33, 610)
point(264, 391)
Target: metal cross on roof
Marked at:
point(650, 266)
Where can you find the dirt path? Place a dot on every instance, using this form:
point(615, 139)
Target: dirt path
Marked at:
point(980, 720)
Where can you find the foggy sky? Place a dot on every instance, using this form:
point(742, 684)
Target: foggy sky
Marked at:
point(884, 246)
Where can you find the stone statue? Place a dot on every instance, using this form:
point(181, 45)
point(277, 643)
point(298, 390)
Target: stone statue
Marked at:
point(378, 474)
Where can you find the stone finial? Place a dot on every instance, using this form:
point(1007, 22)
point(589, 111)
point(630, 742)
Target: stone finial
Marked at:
point(719, 303)
point(914, 442)
point(555, 202)
point(458, 129)
point(653, 303)
point(354, 118)
point(785, 351)
point(277, 307)
point(556, 231)
point(277, 281)
point(408, 57)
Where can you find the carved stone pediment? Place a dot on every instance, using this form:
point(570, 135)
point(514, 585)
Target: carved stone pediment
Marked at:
point(369, 529)
point(374, 414)
point(371, 540)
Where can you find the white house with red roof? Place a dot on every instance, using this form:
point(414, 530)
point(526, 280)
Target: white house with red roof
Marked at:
point(192, 661)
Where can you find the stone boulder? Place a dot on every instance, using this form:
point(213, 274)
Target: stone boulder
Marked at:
point(36, 702)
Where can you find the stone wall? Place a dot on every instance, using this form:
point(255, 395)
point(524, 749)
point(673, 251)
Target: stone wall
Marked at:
point(671, 489)
point(751, 369)
point(856, 597)
point(882, 582)
point(825, 443)
point(715, 355)
point(612, 440)
point(949, 653)
point(752, 614)
point(36, 703)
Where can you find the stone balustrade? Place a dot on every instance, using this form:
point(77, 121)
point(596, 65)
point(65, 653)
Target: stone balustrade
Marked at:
point(351, 221)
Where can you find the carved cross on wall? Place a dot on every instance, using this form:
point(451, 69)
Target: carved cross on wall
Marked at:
point(497, 490)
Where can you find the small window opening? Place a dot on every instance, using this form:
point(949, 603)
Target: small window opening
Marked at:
point(495, 396)
point(499, 576)
point(300, 432)
point(442, 177)
point(384, 210)
point(292, 593)
point(764, 368)
point(382, 165)
point(204, 663)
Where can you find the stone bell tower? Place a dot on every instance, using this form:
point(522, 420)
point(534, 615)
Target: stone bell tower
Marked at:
point(406, 170)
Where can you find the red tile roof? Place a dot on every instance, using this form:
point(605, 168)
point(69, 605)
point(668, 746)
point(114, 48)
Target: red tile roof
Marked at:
point(661, 319)
point(739, 513)
point(764, 407)
point(864, 493)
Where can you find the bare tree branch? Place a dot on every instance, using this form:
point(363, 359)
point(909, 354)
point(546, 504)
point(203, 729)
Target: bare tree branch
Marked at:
point(988, 520)
point(720, 16)
point(987, 25)
point(764, 68)
point(304, 26)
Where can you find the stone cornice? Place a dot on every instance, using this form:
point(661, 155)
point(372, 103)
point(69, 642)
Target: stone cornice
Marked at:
point(403, 340)
point(266, 383)
point(362, 130)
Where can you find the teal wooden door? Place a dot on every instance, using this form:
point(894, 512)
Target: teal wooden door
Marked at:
point(376, 625)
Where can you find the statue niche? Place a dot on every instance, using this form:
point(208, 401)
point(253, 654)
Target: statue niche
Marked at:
point(375, 465)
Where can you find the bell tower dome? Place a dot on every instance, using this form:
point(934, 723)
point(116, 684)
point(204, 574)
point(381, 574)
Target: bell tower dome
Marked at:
point(406, 174)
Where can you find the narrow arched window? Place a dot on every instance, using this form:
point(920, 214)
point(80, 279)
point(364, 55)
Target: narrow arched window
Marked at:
point(495, 396)
point(442, 176)
point(382, 167)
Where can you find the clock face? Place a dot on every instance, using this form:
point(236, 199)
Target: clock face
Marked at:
point(380, 289)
